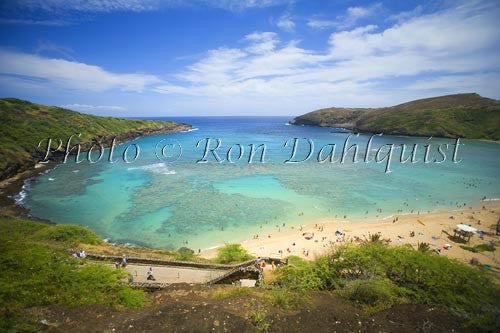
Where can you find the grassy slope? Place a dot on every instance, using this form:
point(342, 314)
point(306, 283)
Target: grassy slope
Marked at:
point(463, 115)
point(24, 124)
point(37, 270)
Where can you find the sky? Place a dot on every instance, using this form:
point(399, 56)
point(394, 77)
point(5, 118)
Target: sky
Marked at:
point(245, 57)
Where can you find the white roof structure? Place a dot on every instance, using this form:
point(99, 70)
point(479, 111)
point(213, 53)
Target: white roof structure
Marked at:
point(466, 228)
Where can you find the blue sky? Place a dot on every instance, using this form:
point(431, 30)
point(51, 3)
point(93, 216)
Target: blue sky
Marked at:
point(247, 57)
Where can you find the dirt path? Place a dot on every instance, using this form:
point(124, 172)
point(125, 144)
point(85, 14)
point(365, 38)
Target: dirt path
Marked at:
point(169, 274)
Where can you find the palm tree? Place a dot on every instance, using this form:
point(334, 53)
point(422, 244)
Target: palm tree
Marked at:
point(423, 247)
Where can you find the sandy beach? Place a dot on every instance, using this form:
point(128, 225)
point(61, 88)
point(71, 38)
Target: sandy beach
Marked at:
point(434, 228)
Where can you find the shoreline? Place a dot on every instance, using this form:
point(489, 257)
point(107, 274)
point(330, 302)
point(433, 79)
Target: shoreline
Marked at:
point(368, 133)
point(433, 229)
point(487, 211)
point(13, 185)
point(281, 243)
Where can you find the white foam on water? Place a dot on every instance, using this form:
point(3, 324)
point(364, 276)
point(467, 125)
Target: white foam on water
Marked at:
point(191, 130)
point(20, 198)
point(157, 168)
point(213, 247)
point(51, 179)
point(492, 199)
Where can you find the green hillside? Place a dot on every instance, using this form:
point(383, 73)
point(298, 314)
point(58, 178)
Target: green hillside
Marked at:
point(462, 115)
point(24, 124)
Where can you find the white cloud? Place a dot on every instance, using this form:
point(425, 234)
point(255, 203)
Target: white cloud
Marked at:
point(356, 13)
point(262, 42)
point(238, 5)
point(214, 68)
point(93, 108)
point(68, 12)
point(347, 20)
point(321, 24)
point(48, 46)
point(361, 67)
point(58, 6)
point(64, 74)
point(403, 16)
point(285, 23)
point(453, 50)
point(487, 83)
point(463, 30)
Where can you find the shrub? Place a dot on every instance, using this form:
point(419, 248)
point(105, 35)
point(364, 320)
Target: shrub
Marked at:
point(423, 277)
point(185, 254)
point(67, 233)
point(286, 299)
point(260, 320)
point(37, 272)
point(469, 248)
point(232, 292)
point(34, 275)
point(478, 248)
point(296, 261)
point(130, 298)
point(232, 253)
point(485, 247)
point(374, 294)
point(423, 247)
point(317, 275)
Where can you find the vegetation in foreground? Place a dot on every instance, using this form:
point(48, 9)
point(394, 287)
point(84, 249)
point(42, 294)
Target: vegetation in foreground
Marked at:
point(232, 254)
point(23, 125)
point(467, 116)
point(376, 276)
point(37, 270)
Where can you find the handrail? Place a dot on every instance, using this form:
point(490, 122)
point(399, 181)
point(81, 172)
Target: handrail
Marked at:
point(163, 262)
point(233, 271)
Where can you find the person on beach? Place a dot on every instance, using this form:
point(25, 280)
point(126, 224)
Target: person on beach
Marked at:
point(83, 254)
point(150, 274)
point(124, 261)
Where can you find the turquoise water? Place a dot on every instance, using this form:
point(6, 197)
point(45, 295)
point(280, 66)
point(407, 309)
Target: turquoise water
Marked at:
point(168, 205)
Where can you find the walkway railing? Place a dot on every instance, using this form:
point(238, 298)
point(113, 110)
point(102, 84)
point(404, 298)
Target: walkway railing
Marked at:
point(246, 267)
point(163, 262)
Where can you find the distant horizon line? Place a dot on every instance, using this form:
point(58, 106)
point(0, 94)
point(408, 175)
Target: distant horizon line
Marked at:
point(204, 116)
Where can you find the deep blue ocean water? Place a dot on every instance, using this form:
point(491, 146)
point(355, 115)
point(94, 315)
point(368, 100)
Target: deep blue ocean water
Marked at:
point(159, 202)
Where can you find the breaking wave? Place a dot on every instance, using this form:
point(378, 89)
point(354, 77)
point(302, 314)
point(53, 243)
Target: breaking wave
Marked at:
point(158, 168)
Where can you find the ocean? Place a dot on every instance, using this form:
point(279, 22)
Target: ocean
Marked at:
point(172, 195)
